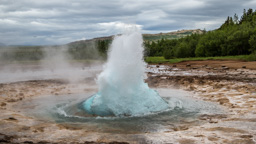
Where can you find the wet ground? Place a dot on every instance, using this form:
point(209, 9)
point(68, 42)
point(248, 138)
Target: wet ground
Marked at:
point(232, 89)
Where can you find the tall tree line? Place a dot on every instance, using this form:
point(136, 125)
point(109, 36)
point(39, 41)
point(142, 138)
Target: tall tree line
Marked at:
point(234, 37)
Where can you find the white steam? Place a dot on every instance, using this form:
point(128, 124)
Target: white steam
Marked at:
point(55, 64)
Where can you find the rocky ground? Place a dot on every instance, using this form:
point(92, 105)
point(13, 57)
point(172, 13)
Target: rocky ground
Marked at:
point(226, 83)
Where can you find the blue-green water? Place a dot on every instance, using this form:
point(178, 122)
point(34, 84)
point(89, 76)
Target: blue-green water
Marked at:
point(67, 110)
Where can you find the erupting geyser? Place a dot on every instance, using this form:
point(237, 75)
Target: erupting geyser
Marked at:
point(122, 90)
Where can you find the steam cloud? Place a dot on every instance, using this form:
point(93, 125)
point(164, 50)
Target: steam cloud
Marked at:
point(56, 63)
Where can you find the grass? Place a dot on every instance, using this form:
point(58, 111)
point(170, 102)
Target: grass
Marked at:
point(176, 60)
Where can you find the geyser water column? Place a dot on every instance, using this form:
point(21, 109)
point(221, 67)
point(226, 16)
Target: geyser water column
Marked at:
point(122, 90)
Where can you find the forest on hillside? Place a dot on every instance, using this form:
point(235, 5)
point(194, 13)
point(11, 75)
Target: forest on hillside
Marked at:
point(236, 36)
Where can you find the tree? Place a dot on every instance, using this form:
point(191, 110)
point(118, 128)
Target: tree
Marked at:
point(225, 24)
point(243, 17)
point(254, 19)
point(182, 50)
point(252, 42)
point(236, 19)
point(168, 53)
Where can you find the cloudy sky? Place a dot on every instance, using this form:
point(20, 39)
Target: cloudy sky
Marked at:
point(50, 22)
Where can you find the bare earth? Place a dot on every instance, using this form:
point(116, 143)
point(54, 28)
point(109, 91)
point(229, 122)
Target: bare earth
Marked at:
point(219, 63)
point(224, 82)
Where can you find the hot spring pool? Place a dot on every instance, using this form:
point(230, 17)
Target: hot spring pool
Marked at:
point(66, 110)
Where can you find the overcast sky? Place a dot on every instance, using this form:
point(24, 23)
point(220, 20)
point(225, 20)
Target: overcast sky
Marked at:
point(50, 22)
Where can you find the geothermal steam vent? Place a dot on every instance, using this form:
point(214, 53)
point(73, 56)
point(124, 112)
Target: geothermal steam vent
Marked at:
point(122, 90)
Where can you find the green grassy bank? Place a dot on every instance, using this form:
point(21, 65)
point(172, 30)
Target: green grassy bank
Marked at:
point(176, 60)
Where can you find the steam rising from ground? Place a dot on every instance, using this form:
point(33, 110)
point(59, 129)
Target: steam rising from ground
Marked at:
point(56, 63)
point(59, 62)
point(56, 58)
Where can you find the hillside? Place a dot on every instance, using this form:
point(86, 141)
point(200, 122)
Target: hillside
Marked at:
point(171, 35)
point(95, 48)
point(148, 37)
point(2, 44)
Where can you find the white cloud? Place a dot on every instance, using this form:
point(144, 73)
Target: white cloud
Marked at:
point(209, 24)
point(7, 21)
point(61, 21)
point(250, 3)
point(117, 25)
point(39, 24)
point(186, 5)
point(152, 15)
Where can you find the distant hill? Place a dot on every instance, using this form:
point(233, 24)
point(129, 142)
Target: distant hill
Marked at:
point(147, 37)
point(2, 44)
point(95, 48)
point(91, 40)
point(171, 35)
